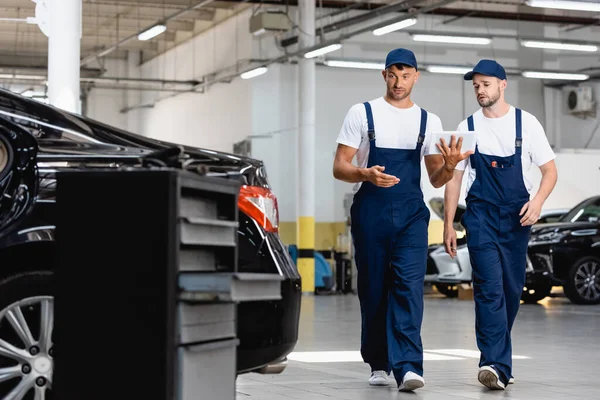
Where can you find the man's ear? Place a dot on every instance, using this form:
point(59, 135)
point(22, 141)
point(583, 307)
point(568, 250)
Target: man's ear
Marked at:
point(503, 84)
point(417, 75)
point(384, 74)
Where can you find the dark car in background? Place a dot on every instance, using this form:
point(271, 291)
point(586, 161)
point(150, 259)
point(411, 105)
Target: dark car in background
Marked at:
point(36, 142)
point(570, 249)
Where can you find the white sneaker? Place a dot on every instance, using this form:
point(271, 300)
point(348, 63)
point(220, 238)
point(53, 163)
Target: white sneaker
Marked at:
point(511, 380)
point(411, 381)
point(489, 377)
point(378, 378)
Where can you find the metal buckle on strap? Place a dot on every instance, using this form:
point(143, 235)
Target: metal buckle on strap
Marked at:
point(421, 139)
point(371, 135)
point(518, 142)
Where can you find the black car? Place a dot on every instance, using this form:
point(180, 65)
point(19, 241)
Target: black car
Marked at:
point(36, 141)
point(570, 250)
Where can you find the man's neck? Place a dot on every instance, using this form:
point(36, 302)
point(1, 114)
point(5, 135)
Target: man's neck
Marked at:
point(404, 103)
point(500, 109)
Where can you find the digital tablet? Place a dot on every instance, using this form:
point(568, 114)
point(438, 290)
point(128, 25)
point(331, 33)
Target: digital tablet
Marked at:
point(468, 143)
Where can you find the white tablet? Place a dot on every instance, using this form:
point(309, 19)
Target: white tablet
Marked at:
point(468, 143)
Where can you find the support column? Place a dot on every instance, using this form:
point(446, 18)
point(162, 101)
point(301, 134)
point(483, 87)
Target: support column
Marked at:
point(305, 204)
point(64, 54)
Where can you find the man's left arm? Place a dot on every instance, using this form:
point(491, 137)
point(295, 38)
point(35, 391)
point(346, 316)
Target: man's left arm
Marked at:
point(543, 157)
point(531, 210)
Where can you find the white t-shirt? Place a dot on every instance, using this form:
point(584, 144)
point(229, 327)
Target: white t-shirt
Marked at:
point(496, 136)
point(396, 128)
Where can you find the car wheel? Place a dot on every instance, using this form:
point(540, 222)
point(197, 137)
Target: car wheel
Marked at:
point(583, 283)
point(447, 289)
point(534, 293)
point(26, 324)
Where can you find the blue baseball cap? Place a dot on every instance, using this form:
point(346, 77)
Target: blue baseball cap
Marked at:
point(487, 67)
point(401, 56)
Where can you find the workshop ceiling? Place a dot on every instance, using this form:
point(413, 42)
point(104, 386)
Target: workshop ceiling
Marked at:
point(107, 23)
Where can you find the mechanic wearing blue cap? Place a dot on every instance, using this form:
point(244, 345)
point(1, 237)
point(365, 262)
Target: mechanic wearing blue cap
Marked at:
point(389, 219)
point(499, 213)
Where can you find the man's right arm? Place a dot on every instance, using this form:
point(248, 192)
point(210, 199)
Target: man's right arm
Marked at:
point(344, 170)
point(451, 196)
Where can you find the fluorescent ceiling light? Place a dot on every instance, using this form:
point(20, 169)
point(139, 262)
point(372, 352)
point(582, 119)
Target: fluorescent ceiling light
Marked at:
point(555, 75)
point(441, 69)
point(395, 26)
point(451, 39)
point(253, 73)
point(559, 46)
point(565, 5)
point(323, 50)
point(355, 64)
point(152, 32)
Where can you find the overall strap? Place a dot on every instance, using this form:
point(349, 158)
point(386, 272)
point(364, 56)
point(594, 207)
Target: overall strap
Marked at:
point(422, 128)
point(519, 135)
point(370, 125)
point(470, 123)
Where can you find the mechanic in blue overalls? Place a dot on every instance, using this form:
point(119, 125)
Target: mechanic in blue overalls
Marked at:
point(389, 219)
point(499, 213)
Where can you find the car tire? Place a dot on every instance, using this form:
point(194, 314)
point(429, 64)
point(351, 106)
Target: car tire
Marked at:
point(33, 291)
point(532, 294)
point(449, 290)
point(574, 287)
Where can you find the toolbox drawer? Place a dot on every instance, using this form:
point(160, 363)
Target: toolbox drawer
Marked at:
point(209, 232)
point(204, 322)
point(203, 287)
point(207, 371)
point(197, 207)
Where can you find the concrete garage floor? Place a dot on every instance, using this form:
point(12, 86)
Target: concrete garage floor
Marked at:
point(555, 349)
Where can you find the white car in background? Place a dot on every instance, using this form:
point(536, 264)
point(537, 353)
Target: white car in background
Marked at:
point(446, 273)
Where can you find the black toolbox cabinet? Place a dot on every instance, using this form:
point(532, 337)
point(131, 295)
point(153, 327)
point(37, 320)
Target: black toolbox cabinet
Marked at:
point(147, 284)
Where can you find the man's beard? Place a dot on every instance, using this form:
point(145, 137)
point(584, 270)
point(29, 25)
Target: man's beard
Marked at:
point(490, 101)
point(401, 96)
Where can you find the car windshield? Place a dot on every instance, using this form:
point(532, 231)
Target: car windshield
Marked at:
point(588, 210)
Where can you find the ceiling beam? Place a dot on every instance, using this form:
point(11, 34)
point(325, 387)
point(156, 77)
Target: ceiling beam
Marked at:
point(129, 38)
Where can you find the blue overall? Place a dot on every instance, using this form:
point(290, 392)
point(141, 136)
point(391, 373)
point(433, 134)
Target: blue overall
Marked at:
point(497, 246)
point(389, 230)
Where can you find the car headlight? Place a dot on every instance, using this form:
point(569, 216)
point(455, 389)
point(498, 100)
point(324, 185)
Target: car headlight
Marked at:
point(549, 238)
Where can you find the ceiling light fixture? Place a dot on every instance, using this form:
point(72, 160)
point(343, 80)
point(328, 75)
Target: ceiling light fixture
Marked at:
point(253, 73)
point(354, 64)
point(395, 26)
point(323, 50)
point(152, 32)
point(559, 46)
point(565, 5)
point(555, 75)
point(442, 69)
point(451, 39)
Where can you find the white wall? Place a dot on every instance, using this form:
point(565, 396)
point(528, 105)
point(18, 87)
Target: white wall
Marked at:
point(215, 119)
point(105, 104)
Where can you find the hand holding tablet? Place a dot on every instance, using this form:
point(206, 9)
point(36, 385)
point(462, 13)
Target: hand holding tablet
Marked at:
point(453, 146)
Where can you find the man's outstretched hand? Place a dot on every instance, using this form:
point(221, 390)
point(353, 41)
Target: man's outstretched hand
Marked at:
point(376, 176)
point(452, 155)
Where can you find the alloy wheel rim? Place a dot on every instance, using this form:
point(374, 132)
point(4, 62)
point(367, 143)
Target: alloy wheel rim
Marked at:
point(587, 280)
point(26, 349)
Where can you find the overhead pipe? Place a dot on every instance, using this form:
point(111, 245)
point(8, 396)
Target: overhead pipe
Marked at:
point(380, 11)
